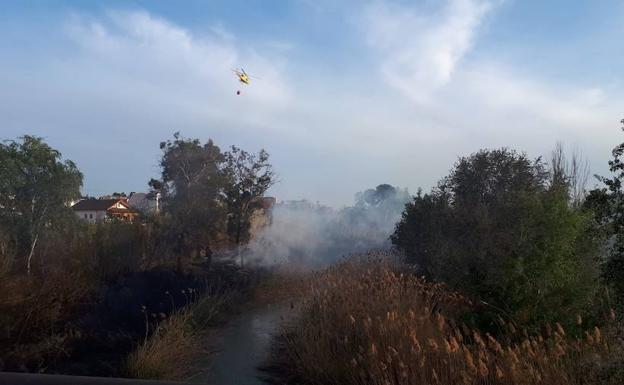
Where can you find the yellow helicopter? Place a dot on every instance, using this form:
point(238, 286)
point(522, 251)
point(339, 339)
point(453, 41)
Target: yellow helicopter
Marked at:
point(242, 76)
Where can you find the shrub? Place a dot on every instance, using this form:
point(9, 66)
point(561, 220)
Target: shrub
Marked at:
point(503, 228)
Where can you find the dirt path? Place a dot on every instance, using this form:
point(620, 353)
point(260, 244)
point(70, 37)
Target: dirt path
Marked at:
point(242, 345)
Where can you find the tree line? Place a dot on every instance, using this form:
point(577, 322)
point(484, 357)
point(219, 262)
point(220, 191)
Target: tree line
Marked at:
point(522, 235)
point(209, 195)
point(208, 198)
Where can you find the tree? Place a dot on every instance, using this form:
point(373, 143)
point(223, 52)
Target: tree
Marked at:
point(191, 186)
point(383, 203)
point(36, 188)
point(607, 205)
point(249, 176)
point(504, 228)
point(571, 175)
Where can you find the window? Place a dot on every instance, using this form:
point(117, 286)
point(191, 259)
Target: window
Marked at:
point(90, 216)
point(85, 216)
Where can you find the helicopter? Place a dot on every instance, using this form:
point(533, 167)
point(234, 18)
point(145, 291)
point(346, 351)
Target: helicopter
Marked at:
point(243, 77)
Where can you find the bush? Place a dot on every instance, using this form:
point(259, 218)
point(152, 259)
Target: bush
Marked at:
point(118, 248)
point(505, 229)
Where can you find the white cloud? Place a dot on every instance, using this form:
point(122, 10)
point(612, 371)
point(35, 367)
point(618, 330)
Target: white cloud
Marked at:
point(144, 51)
point(461, 105)
point(421, 49)
point(120, 82)
point(497, 89)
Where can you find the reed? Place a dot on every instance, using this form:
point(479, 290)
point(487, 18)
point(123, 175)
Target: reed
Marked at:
point(370, 322)
point(170, 351)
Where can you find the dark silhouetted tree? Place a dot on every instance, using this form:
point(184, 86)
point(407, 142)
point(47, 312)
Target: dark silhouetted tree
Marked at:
point(191, 187)
point(248, 177)
point(607, 204)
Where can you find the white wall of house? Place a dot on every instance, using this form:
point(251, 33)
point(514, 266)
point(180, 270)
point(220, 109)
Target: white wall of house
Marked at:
point(91, 216)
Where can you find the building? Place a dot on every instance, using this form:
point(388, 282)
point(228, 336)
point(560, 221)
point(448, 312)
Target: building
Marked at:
point(267, 202)
point(94, 210)
point(146, 203)
point(262, 216)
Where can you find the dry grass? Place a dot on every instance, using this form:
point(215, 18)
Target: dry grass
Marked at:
point(172, 349)
point(285, 283)
point(32, 314)
point(366, 323)
point(169, 352)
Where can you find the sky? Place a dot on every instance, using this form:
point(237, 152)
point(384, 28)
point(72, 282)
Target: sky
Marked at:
point(350, 94)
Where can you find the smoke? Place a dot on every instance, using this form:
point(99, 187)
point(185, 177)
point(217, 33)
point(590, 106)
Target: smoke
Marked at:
point(315, 235)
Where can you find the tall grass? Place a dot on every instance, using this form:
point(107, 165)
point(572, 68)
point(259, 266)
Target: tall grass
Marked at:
point(364, 322)
point(169, 352)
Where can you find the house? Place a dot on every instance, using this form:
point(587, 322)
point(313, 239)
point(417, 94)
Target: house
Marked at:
point(146, 203)
point(94, 210)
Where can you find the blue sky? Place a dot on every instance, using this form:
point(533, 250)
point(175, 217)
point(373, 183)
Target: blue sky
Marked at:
point(351, 93)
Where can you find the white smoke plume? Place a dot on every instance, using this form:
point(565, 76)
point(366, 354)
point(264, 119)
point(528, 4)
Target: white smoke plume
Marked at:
point(314, 235)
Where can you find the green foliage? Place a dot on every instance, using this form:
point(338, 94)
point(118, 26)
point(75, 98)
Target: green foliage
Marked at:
point(385, 200)
point(503, 228)
point(118, 248)
point(36, 187)
point(209, 196)
point(371, 219)
point(607, 205)
point(191, 187)
point(249, 176)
